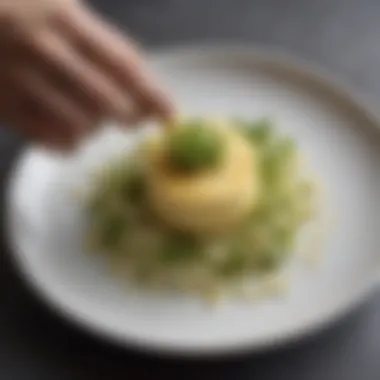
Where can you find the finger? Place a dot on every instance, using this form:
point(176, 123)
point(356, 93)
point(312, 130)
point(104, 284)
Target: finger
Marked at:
point(20, 113)
point(107, 47)
point(46, 103)
point(33, 124)
point(85, 81)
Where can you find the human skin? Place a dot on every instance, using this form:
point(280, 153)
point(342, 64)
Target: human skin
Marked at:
point(63, 69)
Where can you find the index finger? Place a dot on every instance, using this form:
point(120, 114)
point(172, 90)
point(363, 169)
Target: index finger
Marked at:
point(107, 47)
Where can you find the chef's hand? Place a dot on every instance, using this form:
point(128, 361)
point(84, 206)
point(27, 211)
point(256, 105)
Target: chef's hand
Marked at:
point(63, 69)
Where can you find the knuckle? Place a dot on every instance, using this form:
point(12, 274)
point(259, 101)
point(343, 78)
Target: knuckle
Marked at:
point(35, 41)
point(63, 15)
point(104, 94)
point(47, 49)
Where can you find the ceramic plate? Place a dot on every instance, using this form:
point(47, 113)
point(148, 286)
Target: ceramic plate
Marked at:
point(337, 133)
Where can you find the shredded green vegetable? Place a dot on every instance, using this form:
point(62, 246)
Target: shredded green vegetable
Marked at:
point(269, 233)
point(259, 131)
point(179, 248)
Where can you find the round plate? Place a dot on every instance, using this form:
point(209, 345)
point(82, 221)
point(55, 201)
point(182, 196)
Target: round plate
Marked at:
point(339, 136)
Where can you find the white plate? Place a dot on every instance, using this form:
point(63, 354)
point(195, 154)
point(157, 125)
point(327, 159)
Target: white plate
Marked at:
point(338, 134)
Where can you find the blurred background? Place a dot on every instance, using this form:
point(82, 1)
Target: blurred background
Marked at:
point(341, 35)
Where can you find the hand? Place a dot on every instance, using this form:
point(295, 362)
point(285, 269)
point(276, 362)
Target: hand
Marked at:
point(63, 69)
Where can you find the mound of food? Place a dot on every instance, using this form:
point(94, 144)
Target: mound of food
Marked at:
point(201, 206)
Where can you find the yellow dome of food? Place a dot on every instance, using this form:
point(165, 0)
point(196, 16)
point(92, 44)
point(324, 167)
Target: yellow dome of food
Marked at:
point(210, 199)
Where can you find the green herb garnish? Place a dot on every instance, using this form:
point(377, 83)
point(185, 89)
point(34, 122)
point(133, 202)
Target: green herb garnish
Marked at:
point(195, 146)
point(134, 188)
point(260, 132)
point(114, 227)
point(270, 259)
point(235, 264)
point(277, 160)
point(179, 248)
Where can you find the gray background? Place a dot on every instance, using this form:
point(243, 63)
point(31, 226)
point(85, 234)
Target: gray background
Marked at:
point(342, 35)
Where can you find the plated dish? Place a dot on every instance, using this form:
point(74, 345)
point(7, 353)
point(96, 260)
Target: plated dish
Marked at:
point(47, 225)
point(202, 206)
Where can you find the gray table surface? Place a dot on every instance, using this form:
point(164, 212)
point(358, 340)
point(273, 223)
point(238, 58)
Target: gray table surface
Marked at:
point(342, 35)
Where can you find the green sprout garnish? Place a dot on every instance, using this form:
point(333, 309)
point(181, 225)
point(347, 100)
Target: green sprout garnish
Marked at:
point(260, 131)
point(270, 259)
point(179, 248)
point(235, 264)
point(115, 226)
point(195, 146)
point(277, 160)
point(134, 188)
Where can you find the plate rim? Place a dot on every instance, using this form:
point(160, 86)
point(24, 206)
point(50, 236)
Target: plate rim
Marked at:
point(338, 87)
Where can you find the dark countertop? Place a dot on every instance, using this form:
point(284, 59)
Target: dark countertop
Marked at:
point(342, 35)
